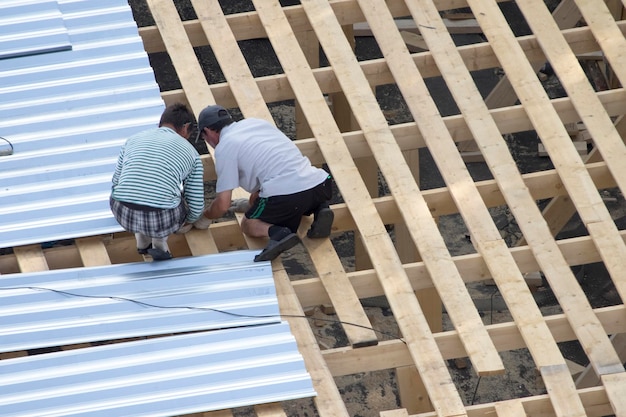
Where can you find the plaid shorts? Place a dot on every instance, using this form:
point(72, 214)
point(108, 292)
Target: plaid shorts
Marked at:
point(157, 223)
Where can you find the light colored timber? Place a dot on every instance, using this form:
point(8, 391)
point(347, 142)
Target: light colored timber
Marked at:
point(248, 25)
point(536, 231)
point(30, 258)
point(475, 57)
point(587, 201)
point(566, 14)
point(506, 336)
point(512, 408)
point(577, 251)
point(508, 119)
point(438, 261)
point(322, 253)
point(188, 70)
point(540, 343)
point(215, 27)
point(346, 175)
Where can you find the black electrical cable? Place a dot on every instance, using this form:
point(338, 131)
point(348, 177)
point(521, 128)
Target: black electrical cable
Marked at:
point(10, 144)
point(113, 297)
point(475, 390)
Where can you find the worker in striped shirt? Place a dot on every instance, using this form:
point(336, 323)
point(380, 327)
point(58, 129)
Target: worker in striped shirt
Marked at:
point(158, 184)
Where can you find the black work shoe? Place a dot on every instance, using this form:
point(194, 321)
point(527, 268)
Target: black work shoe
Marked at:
point(276, 247)
point(322, 224)
point(159, 254)
point(144, 251)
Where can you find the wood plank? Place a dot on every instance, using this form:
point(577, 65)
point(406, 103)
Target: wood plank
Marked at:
point(251, 103)
point(220, 413)
point(30, 258)
point(506, 336)
point(232, 63)
point(604, 28)
point(594, 400)
point(270, 410)
point(614, 385)
point(343, 298)
point(395, 413)
point(543, 184)
point(540, 342)
point(201, 242)
point(475, 56)
point(92, 251)
point(566, 14)
point(535, 229)
point(404, 189)
point(513, 408)
point(328, 401)
point(457, 26)
point(181, 52)
point(248, 25)
point(582, 191)
point(588, 378)
point(509, 120)
point(561, 209)
point(198, 94)
point(355, 193)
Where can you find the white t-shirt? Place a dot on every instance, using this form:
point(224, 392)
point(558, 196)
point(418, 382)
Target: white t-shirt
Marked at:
point(256, 156)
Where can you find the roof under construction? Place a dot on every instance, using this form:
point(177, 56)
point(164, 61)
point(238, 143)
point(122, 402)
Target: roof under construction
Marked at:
point(339, 123)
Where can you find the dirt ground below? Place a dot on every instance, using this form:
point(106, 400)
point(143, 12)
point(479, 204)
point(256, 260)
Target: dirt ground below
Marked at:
point(367, 394)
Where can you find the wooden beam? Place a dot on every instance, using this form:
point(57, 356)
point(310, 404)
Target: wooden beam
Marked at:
point(508, 119)
point(535, 229)
point(506, 336)
point(422, 227)
point(349, 182)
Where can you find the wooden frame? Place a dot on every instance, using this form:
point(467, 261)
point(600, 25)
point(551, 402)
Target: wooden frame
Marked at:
point(478, 121)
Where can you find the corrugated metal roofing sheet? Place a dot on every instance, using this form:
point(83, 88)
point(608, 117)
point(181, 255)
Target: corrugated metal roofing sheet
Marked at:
point(158, 377)
point(221, 291)
point(249, 357)
point(67, 114)
point(30, 27)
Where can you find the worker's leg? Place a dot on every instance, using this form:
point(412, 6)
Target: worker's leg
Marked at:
point(322, 223)
point(281, 238)
point(143, 243)
point(160, 251)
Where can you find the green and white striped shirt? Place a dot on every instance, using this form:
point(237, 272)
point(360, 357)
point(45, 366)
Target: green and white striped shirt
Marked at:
point(157, 168)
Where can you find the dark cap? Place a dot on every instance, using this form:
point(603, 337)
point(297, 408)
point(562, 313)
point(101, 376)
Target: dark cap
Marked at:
point(211, 115)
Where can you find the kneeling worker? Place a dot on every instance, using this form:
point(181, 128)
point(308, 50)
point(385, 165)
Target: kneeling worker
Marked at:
point(283, 185)
point(157, 186)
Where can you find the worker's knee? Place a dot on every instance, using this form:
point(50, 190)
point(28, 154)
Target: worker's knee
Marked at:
point(254, 227)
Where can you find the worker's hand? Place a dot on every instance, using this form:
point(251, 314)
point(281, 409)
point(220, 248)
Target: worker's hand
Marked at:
point(184, 228)
point(202, 223)
point(239, 205)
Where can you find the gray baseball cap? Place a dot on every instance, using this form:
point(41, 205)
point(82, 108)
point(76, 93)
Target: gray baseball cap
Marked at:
point(211, 115)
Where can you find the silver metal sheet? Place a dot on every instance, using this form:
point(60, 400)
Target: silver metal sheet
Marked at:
point(29, 27)
point(67, 306)
point(67, 114)
point(167, 376)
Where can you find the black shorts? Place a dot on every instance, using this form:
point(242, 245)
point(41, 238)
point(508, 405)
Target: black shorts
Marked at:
point(287, 210)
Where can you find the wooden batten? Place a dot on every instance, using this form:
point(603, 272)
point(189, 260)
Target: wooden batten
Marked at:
point(340, 124)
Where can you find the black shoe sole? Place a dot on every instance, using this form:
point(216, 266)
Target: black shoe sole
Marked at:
point(145, 250)
point(159, 254)
point(273, 250)
point(322, 225)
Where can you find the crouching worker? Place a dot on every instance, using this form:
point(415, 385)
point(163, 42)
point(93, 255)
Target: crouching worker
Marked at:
point(158, 184)
point(283, 185)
